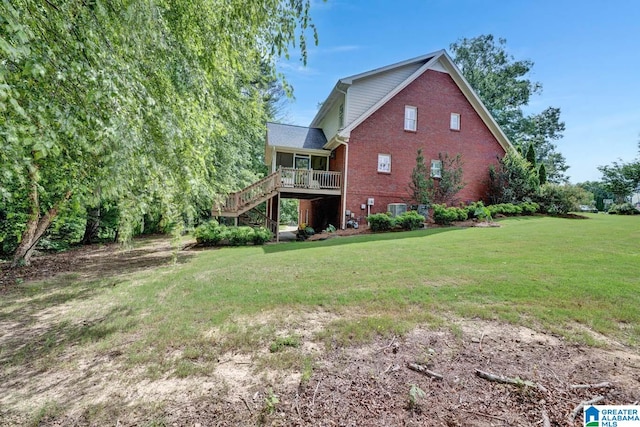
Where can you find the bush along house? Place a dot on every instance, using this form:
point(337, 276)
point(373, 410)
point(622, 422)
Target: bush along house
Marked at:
point(357, 155)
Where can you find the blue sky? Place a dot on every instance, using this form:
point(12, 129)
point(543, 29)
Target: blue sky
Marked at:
point(586, 55)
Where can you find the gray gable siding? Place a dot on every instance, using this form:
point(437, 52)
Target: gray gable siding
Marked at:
point(364, 93)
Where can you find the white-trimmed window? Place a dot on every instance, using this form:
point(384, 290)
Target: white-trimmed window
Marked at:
point(384, 163)
point(436, 168)
point(410, 118)
point(454, 123)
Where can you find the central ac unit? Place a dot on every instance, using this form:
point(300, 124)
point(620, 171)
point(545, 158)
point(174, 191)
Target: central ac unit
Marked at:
point(396, 208)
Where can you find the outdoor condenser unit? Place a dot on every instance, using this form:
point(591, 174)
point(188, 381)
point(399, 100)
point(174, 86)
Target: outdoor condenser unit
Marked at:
point(396, 208)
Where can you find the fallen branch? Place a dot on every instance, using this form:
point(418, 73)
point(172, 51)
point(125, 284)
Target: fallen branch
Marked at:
point(578, 408)
point(546, 422)
point(506, 380)
point(605, 384)
point(313, 401)
point(482, 414)
point(246, 404)
point(424, 370)
point(388, 346)
point(391, 368)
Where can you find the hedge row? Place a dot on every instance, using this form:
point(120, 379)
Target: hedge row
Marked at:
point(213, 234)
point(410, 220)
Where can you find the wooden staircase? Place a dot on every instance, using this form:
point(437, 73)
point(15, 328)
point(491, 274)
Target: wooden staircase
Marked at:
point(248, 198)
point(264, 220)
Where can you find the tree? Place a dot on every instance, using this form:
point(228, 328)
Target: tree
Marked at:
point(425, 188)
point(148, 105)
point(419, 184)
point(621, 179)
point(542, 174)
point(599, 191)
point(531, 156)
point(513, 180)
point(444, 189)
point(500, 82)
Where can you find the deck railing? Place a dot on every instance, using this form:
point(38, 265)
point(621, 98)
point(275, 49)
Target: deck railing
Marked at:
point(311, 179)
point(262, 190)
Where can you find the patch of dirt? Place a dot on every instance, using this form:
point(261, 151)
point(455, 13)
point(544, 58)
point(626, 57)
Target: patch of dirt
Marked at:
point(369, 385)
point(359, 385)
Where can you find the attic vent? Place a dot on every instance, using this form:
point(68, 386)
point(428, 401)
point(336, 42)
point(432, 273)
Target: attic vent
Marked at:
point(396, 208)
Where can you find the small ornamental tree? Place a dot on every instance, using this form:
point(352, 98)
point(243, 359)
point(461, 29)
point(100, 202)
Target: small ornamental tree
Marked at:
point(426, 189)
point(445, 188)
point(542, 175)
point(419, 185)
point(531, 156)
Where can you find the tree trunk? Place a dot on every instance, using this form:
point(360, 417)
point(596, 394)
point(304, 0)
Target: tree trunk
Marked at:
point(93, 225)
point(32, 223)
point(36, 226)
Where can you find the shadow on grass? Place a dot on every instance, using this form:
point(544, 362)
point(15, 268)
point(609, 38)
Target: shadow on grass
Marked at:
point(28, 300)
point(35, 352)
point(358, 238)
point(95, 262)
point(35, 323)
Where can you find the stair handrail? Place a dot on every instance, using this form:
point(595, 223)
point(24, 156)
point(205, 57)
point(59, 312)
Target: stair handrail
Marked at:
point(268, 184)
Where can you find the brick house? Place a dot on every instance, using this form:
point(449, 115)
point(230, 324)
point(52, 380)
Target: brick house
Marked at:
point(357, 155)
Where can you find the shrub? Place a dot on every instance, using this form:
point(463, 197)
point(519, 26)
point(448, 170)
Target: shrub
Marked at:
point(624, 209)
point(380, 222)
point(529, 208)
point(210, 233)
point(329, 229)
point(304, 231)
point(506, 209)
point(410, 220)
point(445, 215)
point(461, 214)
point(261, 235)
point(240, 236)
point(474, 209)
point(557, 199)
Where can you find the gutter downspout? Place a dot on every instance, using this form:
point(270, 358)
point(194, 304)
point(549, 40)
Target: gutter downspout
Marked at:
point(344, 183)
point(341, 141)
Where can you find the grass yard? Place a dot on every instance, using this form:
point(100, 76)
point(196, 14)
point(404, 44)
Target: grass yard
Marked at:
point(575, 279)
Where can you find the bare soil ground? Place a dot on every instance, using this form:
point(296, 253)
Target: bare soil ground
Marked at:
point(360, 385)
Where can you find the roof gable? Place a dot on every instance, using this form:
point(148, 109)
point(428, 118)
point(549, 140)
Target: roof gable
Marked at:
point(378, 82)
point(438, 61)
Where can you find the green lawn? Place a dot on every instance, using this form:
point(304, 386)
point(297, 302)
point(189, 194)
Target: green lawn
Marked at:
point(564, 276)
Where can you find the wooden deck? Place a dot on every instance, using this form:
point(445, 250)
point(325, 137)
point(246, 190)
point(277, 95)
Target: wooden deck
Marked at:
point(287, 182)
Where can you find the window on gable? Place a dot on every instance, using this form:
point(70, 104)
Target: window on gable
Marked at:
point(455, 121)
point(384, 163)
point(410, 118)
point(436, 168)
point(341, 116)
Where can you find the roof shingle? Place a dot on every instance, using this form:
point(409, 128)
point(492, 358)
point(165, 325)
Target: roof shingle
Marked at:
point(281, 135)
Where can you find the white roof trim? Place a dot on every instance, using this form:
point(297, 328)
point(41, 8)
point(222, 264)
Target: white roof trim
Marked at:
point(349, 80)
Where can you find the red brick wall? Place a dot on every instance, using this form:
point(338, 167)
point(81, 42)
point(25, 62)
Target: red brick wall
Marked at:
point(436, 96)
